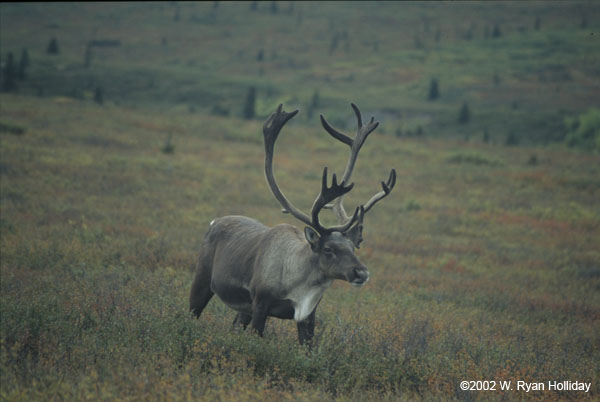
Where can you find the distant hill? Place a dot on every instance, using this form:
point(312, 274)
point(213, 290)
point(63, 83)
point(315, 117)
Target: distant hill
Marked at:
point(522, 68)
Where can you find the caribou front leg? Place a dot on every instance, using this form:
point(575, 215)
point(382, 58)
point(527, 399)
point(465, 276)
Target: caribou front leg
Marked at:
point(260, 311)
point(306, 329)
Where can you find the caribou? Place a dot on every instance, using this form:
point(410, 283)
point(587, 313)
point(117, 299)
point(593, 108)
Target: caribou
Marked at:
point(283, 271)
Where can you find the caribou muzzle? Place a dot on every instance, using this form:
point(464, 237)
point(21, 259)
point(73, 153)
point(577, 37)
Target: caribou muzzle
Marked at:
point(358, 276)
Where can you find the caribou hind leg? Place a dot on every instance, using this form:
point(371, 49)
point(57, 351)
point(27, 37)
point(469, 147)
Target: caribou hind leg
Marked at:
point(201, 292)
point(242, 319)
point(200, 296)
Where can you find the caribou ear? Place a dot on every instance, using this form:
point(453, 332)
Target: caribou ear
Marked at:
point(355, 234)
point(312, 237)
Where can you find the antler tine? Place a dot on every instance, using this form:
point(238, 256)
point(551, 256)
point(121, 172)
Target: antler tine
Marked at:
point(336, 134)
point(358, 114)
point(326, 195)
point(274, 123)
point(271, 130)
point(386, 189)
point(363, 131)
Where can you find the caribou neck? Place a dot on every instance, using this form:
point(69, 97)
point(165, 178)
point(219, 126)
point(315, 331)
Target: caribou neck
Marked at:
point(303, 267)
point(308, 284)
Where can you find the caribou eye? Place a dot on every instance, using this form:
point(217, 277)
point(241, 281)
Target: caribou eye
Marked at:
point(327, 250)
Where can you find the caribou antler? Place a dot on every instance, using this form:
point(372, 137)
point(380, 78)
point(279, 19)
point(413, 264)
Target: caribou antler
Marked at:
point(327, 195)
point(355, 144)
point(386, 189)
point(271, 130)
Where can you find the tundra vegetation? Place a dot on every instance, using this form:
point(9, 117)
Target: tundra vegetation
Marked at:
point(484, 259)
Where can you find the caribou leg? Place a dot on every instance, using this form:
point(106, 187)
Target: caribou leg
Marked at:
point(306, 329)
point(201, 292)
point(200, 296)
point(242, 319)
point(260, 311)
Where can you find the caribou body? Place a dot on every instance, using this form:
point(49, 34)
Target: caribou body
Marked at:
point(283, 271)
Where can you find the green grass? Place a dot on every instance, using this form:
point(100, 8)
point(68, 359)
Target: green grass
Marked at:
point(484, 265)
